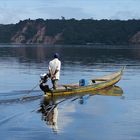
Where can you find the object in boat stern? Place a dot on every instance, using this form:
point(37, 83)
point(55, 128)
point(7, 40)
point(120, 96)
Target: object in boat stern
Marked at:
point(44, 77)
point(43, 86)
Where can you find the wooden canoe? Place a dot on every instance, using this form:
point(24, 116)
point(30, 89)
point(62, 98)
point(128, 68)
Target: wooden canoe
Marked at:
point(94, 85)
point(109, 91)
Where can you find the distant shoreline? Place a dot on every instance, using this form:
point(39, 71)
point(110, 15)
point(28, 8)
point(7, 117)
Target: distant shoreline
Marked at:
point(71, 32)
point(71, 45)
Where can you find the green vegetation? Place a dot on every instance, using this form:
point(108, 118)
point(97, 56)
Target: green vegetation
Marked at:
point(86, 31)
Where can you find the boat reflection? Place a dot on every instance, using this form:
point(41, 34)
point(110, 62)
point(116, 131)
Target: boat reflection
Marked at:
point(49, 104)
point(49, 112)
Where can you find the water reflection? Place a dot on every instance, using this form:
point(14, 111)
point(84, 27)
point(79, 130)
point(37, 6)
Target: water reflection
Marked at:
point(19, 100)
point(49, 104)
point(49, 112)
point(72, 54)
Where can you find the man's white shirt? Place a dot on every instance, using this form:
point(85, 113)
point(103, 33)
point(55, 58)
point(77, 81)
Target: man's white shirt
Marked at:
point(54, 65)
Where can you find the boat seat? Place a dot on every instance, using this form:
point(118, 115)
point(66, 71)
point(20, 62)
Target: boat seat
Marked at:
point(70, 86)
point(60, 87)
point(98, 80)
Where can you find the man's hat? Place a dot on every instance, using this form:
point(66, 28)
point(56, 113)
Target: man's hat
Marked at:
point(56, 55)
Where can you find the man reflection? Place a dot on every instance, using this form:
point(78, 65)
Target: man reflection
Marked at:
point(49, 113)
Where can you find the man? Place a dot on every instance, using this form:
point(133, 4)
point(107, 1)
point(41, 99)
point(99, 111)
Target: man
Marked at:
point(54, 70)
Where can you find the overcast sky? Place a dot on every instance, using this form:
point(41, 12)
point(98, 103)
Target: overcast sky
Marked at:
point(11, 11)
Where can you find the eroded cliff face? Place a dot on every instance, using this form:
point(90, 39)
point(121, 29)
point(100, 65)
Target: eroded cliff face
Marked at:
point(72, 31)
point(31, 33)
point(135, 38)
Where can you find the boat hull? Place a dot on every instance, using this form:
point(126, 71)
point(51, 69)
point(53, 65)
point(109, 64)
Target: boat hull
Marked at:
point(100, 83)
point(109, 91)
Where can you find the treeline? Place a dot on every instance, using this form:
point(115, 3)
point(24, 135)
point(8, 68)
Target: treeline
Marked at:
point(72, 31)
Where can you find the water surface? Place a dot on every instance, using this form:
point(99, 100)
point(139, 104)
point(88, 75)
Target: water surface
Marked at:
point(95, 117)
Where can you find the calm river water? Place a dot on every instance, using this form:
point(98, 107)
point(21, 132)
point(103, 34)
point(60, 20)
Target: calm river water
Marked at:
point(103, 116)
